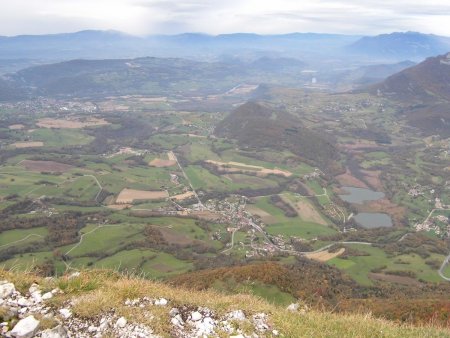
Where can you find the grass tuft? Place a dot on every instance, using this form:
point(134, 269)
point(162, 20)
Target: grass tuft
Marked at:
point(96, 292)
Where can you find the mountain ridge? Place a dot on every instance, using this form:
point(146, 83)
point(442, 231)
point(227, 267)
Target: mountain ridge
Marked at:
point(401, 45)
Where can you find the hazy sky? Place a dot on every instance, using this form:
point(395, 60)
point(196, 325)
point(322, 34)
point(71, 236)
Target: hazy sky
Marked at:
point(225, 16)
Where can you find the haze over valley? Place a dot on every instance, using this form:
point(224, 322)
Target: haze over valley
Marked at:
point(165, 175)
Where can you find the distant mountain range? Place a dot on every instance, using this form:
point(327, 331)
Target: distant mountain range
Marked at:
point(401, 46)
point(112, 44)
point(312, 47)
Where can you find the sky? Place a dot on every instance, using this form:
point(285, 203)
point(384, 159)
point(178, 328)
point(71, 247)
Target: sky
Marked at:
point(144, 17)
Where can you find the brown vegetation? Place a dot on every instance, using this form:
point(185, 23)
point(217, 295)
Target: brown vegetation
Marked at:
point(46, 166)
point(348, 179)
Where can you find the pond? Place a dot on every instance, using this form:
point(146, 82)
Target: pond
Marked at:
point(366, 219)
point(360, 195)
point(373, 220)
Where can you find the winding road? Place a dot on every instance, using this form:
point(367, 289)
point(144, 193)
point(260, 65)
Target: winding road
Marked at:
point(232, 243)
point(447, 259)
point(441, 269)
point(21, 240)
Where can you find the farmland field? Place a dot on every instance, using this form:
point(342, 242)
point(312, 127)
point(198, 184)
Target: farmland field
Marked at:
point(130, 195)
point(149, 185)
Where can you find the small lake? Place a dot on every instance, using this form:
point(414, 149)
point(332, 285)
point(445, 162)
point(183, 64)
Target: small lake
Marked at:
point(373, 220)
point(366, 219)
point(360, 195)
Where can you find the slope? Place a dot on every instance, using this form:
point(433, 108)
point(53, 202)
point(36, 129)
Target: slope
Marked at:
point(257, 126)
point(424, 94)
point(427, 81)
point(106, 303)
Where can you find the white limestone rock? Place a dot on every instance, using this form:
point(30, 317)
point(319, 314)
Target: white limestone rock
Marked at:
point(25, 328)
point(121, 322)
point(57, 332)
point(196, 316)
point(177, 321)
point(206, 326)
point(47, 296)
point(23, 302)
point(293, 307)
point(6, 290)
point(161, 302)
point(173, 312)
point(236, 315)
point(34, 288)
point(37, 296)
point(66, 313)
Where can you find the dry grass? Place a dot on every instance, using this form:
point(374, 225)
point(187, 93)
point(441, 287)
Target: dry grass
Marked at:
point(46, 322)
point(95, 292)
point(348, 179)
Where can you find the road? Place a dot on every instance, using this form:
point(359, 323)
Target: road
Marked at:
point(21, 240)
point(447, 259)
point(89, 232)
point(444, 264)
point(441, 269)
point(187, 179)
point(232, 243)
point(98, 184)
point(432, 212)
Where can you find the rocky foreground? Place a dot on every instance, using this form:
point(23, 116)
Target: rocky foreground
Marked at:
point(32, 315)
point(104, 303)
